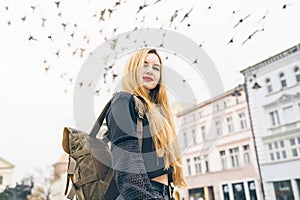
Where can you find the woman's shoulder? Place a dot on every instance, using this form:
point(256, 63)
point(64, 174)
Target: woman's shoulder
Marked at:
point(124, 97)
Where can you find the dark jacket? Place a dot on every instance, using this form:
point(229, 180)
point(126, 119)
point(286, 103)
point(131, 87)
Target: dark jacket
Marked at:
point(132, 169)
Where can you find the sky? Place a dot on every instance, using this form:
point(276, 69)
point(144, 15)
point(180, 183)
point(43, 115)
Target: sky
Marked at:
point(37, 76)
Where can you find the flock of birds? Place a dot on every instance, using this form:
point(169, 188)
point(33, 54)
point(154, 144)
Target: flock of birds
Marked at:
point(179, 17)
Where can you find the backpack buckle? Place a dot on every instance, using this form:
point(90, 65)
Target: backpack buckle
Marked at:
point(141, 114)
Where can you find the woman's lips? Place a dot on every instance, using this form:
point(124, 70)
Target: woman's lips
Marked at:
point(147, 79)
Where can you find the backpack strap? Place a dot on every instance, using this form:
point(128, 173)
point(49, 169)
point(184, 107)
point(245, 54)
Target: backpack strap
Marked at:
point(139, 107)
point(99, 121)
point(141, 110)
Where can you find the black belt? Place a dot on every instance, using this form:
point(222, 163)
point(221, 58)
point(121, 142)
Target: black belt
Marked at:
point(161, 188)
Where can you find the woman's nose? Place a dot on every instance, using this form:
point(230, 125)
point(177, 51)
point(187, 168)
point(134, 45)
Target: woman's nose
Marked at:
point(149, 69)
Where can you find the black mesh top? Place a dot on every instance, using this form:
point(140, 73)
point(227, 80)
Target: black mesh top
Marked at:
point(132, 169)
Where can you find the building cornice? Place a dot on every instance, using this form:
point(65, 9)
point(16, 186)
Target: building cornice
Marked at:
point(282, 99)
point(211, 101)
point(291, 51)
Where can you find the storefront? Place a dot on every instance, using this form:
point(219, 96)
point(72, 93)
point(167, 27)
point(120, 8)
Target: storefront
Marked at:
point(204, 193)
point(245, 190)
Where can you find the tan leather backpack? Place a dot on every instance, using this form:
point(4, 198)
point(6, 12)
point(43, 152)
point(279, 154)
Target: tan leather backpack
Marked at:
point(89, 166)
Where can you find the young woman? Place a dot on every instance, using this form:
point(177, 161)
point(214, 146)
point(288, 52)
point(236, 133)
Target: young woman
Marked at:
point(144, 173)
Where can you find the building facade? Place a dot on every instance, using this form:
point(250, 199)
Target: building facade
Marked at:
point(273, 88)
point(6, 174)
point(58, 184)
point(219, 156)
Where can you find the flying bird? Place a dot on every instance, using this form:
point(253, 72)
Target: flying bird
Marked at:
point(186, 15)
point(43, 21)
point(110, 11)
point(32, 38)
point(33, 8)
point(64, 26)
point(102, 12)
point(57, 3)
point(141, 7)
point(23, 18)
point(264, 17)
point(230, 41)
point(57, 53)
point(251, 35)
point(50, 37)
point(286, 5)
point(241, 21)
point(47, 69)
point(173, 17)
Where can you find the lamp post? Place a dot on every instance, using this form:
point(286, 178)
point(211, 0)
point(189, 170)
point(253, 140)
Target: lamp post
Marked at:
point(255, 86)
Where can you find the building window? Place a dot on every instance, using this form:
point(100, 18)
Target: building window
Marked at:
point(207, 166)
point(194, 136)
point(295, 146)
point(1, 180)
point(297, 74)
point(277, 150)
point(238, 191)
point(252, 190)
point(243, 121)
point(189, 166)
point(197, 161)
point(274, 118)
point(203, 133)
point(246, 149)
point(185, 140)
point(226, 192)
point(269, 85)
point(234, 155)
point(218, 127)
point(223, 159)
point(282, 80)
point(298, 183)
point(283, 190)
point(230, 124)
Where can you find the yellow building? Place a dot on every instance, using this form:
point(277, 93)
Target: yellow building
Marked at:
point(6, 174)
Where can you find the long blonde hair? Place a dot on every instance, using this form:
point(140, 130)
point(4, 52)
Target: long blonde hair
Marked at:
point(159, 113)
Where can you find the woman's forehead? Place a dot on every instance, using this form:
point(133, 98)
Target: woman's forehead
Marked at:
point(151, 57)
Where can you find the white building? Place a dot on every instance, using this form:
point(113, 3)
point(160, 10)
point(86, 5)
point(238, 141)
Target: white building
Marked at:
point(6, 174)
point(275, 112)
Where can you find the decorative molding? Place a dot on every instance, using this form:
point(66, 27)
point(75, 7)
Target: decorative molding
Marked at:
point(282, 99)
point(291, 51)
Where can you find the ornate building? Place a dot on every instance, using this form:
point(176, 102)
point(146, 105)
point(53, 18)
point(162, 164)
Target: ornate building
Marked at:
point(273, 87)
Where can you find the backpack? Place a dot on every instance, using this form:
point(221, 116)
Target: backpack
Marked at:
point(89, 166)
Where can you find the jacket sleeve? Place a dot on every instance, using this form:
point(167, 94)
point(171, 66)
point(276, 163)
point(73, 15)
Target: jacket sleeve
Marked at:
point(129, 170)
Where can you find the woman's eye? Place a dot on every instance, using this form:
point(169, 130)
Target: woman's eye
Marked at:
point(156, 68)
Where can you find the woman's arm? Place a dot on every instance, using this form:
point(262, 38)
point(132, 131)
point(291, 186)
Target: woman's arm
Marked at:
point(129, 169)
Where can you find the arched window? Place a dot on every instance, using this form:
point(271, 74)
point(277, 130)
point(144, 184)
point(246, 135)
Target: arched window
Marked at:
point(297, 73)
point(282, 80)
point(269, 85)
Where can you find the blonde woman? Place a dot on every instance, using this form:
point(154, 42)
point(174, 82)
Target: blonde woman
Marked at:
point(149, 172)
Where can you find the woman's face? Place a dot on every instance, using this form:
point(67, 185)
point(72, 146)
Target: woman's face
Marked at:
point(151, 71)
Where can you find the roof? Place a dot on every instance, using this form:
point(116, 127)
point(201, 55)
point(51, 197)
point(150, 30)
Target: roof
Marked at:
point(288, 52)
point(4, 164)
